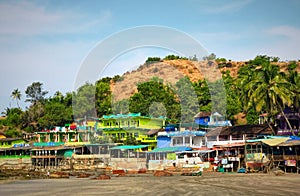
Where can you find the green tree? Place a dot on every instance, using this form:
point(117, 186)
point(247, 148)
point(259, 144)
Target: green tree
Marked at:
point(154, 91)
point(202, 91)
point(55, 114)
point(35, 93)
point(13, 117)
point(103, 97)
point(267, 88)
point(121, 107)
point(32, 114)
point(84, 101)
point(233, 103)
point(188, 100)
point(293, 77)
point(210, 57)
point(16, 94)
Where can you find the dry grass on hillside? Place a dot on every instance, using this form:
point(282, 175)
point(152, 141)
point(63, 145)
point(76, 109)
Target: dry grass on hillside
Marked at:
point(172, 70)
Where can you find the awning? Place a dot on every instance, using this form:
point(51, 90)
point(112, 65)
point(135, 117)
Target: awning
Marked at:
point(196, 151)
point(274, 141)
point(128, 147)
point(68, 154)
point(290, 143)
point(171, 149)
point(232, 145)
point(152, 131)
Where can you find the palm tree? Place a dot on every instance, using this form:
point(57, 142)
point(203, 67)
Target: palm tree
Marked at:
point(268, 90)
point(294, 78)
point(16, 94)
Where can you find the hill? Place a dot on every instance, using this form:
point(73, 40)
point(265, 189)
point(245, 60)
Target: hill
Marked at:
point(172, 70)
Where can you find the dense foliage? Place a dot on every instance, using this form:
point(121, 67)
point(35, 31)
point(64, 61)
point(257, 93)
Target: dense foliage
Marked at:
point(260, 87)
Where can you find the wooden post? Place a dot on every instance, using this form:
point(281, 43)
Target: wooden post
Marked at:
point(296, 159)
point(283, 160)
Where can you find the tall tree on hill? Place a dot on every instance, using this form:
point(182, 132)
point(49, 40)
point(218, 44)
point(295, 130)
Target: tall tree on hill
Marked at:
point(202, 91)
point(188, 100)
point(103, 97)
point(154, 91)
point(16, 94)
point(84, 101)
point(233, 103)
point(267, 88)
point(35, 93)
point(294, 78)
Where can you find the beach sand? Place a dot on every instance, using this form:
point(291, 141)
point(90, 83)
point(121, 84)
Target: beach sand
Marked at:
point(213, 184)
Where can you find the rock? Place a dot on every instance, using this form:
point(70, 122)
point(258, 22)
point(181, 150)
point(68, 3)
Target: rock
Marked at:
point(142, 171)
point(162, 173)
point(278, 172)
point(103, 177)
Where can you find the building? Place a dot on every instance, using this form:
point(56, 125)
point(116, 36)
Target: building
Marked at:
point(207, 120)
point(188, 138)
point(132, 128)
point(14, 148)
point(273, 151)
point(74, 136)
point(283, 127)
point(229, 144)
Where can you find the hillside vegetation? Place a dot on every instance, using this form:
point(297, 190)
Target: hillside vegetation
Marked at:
point(172, 70)
point(174, 87)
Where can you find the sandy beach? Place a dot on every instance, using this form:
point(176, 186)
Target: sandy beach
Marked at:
point(213, 184)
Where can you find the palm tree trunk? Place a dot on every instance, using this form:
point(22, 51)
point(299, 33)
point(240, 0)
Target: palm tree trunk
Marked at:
point(273, 131)
point(287, 120)
point(271, 127)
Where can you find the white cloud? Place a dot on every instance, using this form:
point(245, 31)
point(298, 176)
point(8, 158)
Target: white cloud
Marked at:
point(213, 7)
point(289, 32)
point(287, 44)
point(27, 18)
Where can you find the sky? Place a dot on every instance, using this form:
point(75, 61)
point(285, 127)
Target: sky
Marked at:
point(48, 41)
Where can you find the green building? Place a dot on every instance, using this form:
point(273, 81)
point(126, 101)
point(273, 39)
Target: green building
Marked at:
point(131, 128)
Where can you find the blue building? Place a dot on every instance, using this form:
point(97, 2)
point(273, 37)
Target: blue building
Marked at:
point(206, 120)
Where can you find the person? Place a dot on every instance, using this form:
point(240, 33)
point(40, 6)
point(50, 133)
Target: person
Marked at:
point(174, 163)
point(215, 167)
point(200, 170)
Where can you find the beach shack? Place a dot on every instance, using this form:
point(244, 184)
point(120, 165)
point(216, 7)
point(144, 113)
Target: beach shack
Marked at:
point(50, 154)
point(161, 158)
point(271, 152)
point(124, 157)
point(229, 144)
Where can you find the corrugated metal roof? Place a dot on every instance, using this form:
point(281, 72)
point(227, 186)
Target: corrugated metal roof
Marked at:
point(42, 144)
point(128, 147)
point(186, 133)
point(171, 149)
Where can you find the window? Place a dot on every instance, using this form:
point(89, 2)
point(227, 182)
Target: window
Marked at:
point(177, 141)
point(187, 140)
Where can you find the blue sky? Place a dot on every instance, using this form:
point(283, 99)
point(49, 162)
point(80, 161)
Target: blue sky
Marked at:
point(47, 41)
